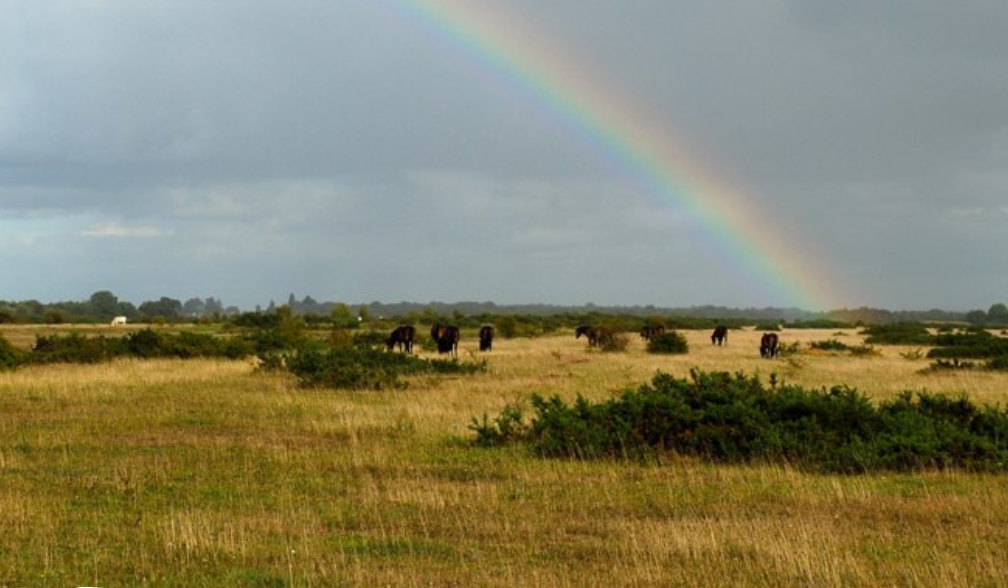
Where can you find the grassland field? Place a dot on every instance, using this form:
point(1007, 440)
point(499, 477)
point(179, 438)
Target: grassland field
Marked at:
point(212, 473)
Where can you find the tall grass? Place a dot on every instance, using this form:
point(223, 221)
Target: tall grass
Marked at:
point(211, 473)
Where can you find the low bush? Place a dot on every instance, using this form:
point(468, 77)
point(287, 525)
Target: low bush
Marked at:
point(728, 418)
point(144, 344)
point(672, 342)
point(364, 368)
point(898, 334)
point(72, 348)
point(834, 345)
point(829, 345)
point(618, 342)
point(10, 356)
point(970, 345)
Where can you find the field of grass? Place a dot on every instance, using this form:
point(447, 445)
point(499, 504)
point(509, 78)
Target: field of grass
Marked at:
point(209, 473)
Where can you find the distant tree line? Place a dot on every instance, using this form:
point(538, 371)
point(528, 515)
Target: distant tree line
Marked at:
point(103, 305)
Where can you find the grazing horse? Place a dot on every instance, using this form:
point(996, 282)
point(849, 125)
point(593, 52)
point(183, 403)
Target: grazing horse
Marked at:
point(117, 321)
point(448, 341)
point(719, 336)
point(486, 337)
point(603, 336)
point(596, 335)
point(768, 345)
point(402, 336)
point(647, 331)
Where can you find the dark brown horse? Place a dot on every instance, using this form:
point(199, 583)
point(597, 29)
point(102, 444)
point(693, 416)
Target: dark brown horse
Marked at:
point(596, 335)
point(486, 337)
point(436, 330)
point(719, 336)
point(768, 345)
point(401, 336)
point(448, 341)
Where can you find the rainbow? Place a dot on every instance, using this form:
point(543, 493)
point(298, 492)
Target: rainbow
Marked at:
point(722, 217)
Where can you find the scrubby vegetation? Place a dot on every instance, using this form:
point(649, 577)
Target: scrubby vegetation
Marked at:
point(143, 344)
point(10, 357)
point(898, 334)
point(970, 345)
point(365, 368)
point(727, 418)
point(834, 345)
point(671, 342)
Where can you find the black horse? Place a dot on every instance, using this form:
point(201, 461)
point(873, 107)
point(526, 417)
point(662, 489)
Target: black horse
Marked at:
point(448, 341)
point(719, 336)
point(768, 345)
point(595, 335)
point(486, 337)
point(436, 331)
point(401, 336)
point(648, 331)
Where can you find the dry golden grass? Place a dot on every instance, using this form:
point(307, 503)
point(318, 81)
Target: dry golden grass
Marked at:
point(207, 473)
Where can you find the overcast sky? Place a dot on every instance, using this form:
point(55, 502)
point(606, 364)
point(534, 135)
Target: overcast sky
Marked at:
point(343, 150)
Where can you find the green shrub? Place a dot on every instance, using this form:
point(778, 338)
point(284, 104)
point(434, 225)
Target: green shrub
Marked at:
point(363, 368)
point(615, 343)
point(970, 345)
point(72, 348)
point(671, 342)
point(735, 419)
point(10, 356)
point(898, 334)
point(829, 345)
point(840, 346)
point(369, 339)
point(143, 344)
point(508, 427)
point(998, 363)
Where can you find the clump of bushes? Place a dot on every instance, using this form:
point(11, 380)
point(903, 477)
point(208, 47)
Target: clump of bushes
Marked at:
point(672, 342)
point(365, 368)
point(615, 343)
point(953, 349)
point(144, 344)
point(829, 345)
point(898, 334)
point(833, 345)
point(10, 356)
point(728, 418)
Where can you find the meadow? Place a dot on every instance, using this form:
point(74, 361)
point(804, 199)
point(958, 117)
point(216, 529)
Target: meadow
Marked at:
point(213, 473)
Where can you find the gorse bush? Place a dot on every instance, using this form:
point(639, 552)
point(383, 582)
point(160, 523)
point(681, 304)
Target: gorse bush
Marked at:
point(898, 334)
point(955, 350)
point(728, 418)
point(839, 346)
point(972, 345)
point(615, 343)
point(10, 356)
point(829, 345)
point(671, 342)
point(73, 348)
point(365, 368)
point(145, 344)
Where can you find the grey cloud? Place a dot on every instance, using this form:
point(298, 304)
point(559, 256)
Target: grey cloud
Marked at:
point(335, 148)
